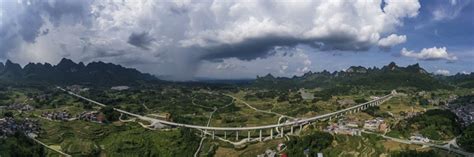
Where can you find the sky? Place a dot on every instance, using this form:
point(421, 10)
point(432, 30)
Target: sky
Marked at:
point(226, 39)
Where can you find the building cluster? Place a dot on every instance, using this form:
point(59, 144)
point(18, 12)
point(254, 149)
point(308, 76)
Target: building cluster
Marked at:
point(20, 107)
point(465, 112)
point(378, 124)
point(9, 126)
point(76, 88)
point(345, 127)
point(91, 116)
point(120, 88)
point(62, 115)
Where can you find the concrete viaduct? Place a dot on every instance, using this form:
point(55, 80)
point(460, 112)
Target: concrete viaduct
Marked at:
point(253, 132)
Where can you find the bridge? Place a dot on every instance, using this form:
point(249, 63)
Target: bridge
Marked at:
point(290, 127)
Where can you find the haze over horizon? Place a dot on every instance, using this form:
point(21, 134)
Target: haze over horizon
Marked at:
point(241, 39)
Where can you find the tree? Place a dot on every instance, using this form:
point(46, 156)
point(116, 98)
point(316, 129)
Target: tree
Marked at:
point(313, 143)
point(466, 141)
point(8, 114)
point(110, 113)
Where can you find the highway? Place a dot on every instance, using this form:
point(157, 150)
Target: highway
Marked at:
point(292, 123)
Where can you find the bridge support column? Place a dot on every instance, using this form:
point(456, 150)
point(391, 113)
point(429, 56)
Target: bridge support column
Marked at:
point(271, 133)
point(330, 118)
point(301, 128)
point(213, 134)
point(291, 130)
point(248, 135)
point(237, 135)
point(281, 132)
point(225, 134)
point(260, 136)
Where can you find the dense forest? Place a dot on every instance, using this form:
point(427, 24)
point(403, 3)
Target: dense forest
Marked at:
point(435, 124)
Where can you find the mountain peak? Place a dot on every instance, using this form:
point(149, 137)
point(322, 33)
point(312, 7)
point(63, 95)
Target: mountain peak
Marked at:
point(416, 68)
point(10, 65)
point(68, 65)
point(66, 61)
point(12, 70)
point(269, 76)
point(357, 69)
point(391, 66)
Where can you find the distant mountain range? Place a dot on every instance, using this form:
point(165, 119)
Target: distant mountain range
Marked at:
point(99, 73)
point(69, 72)
point(390, 76)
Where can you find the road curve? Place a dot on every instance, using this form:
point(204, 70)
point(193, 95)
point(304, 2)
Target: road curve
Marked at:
point(292, 123)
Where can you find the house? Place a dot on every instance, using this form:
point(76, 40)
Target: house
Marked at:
point(120, 88)
point(342, 129)
point(419, 138)
point(377, 124)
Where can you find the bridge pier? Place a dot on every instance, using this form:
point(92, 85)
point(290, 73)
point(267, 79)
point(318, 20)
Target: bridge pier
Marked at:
point(237, 135)
point(291, 130)
point(260, 136)
point(225, 134)
point(213, 134)
point(281, 132)
point(248, 135)
point(301, 128)
point(271, 133)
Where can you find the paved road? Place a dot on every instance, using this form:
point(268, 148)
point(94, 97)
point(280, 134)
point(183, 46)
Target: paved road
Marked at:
point(258, 110)
point(292, 123)
point(60, 152)
point(204, 137)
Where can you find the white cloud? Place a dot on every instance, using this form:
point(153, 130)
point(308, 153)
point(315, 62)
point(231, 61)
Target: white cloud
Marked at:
point(225, 66)
point(433, 53)
point(453, 2)
point(402, 8)
point(392, 40)
point(442, 72)
point(185, 34)
point(448, 10)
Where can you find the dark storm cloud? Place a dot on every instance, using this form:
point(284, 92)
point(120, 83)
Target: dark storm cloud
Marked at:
point(249, 49)
point(69, 11)
point(29, 24)
point(142, 40)
point(30, 18)
point(262, 47)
